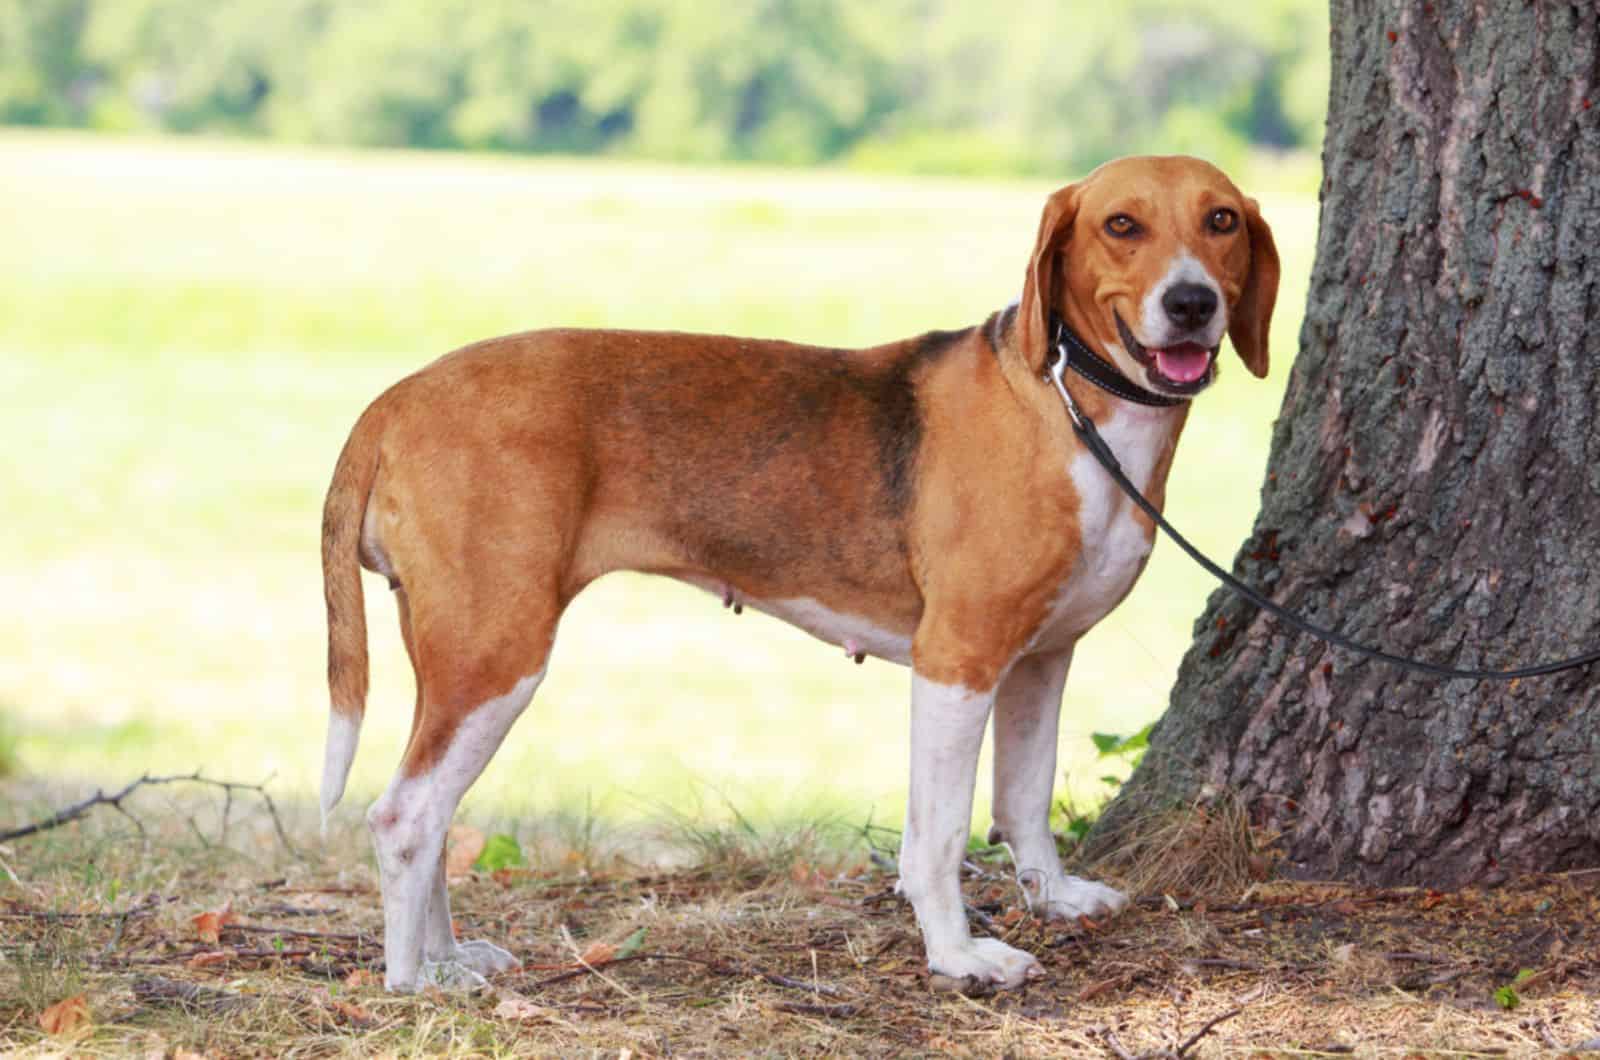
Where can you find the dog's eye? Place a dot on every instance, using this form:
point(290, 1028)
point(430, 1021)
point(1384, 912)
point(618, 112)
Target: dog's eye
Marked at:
point(1122, 226)
point(1222, 220)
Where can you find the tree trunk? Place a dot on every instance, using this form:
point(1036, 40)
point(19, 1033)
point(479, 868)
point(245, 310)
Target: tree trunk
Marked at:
point(1434, 480)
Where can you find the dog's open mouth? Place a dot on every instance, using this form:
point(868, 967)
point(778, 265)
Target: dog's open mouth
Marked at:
point(1184, 368)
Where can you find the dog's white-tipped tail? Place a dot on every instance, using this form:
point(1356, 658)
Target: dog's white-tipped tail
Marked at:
point(344, 733)
point(342, 515)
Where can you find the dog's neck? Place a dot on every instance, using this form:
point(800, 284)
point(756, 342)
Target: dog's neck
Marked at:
point(1083, 361)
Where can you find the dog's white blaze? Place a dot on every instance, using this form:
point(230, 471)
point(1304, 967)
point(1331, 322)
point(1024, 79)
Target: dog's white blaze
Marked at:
point(344, 732)
point(1157, 329)
point(1113, 546)
point(836, 627)
point(408, 824)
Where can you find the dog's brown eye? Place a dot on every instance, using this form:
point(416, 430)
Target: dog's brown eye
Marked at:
point(1122, 226)
point(1222, 220)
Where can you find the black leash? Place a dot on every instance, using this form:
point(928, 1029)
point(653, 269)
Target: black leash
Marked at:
point(1086, 431)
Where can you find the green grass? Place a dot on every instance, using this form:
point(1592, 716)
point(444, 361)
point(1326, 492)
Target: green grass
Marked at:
point(188, 329)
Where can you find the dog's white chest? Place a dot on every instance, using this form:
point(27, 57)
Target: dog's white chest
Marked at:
point(1113, 546)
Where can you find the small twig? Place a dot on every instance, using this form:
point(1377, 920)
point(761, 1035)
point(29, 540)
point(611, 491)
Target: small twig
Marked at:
point(830, 1011)
point(712, 966)
point(1094, 990)
point(356, 937)
point(984, 920)
point(150, 902)
point(1109, 1037)
point(184, 956)
point(1417, 981)
point(793, 984)
point(284, 909)
point(12, 876)
point(42, 914)
point(193, 827)
point(156, 990)
point(572, 944)
point(1223, 962)
point(100, 798)
point(1194, 1038)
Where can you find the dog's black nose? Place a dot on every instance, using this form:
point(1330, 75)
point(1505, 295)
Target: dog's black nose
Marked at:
point(1189, 305)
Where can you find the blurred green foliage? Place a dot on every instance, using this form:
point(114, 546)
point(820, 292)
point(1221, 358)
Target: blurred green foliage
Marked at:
point(941, 85)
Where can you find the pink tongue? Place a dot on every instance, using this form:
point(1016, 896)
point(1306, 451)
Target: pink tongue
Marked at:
point(1183, 364)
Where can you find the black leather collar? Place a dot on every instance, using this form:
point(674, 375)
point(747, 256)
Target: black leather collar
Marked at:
point(1101, 372)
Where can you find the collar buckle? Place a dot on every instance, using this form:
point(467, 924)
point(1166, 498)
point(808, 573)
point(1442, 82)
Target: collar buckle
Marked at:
point(1058, 368)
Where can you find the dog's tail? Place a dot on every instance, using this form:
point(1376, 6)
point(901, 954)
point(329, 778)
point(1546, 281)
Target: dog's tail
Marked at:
point(342, 517)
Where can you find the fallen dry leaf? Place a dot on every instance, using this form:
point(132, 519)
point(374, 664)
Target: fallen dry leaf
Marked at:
point(354, 1013)
point(463, 844)
point(206, 960)
point(518, 1008)
point(505, 877)
point(598, 953)
point(66, 1016)
point(209, 925)
point(361, 977)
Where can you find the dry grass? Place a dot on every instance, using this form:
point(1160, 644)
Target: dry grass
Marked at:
point(1207, 847)
point(767, 944)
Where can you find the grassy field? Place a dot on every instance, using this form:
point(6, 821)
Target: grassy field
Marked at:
point(188, 330)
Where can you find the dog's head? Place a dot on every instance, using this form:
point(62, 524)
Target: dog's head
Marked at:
point(1151, 261)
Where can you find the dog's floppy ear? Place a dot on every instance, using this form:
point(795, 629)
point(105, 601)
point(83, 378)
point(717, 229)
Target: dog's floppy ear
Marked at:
point(1043, 280)
point(1252, 316)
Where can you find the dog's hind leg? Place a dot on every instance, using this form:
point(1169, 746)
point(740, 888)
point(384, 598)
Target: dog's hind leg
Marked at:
point(1026, 722)
point(469, 695)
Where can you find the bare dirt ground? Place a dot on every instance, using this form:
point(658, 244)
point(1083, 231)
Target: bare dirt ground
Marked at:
point(192, 940)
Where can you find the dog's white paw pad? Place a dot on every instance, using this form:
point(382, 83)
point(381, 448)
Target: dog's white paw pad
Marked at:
point(1070, 897)
point(982, 966)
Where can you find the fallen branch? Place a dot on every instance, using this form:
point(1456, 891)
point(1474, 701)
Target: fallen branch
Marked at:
point(21, 912)
point(155, 990)
point(1109, 1039)
point(714, 967)
point(299, 933)
point(839, 1012)
point(1194, 1038)
point(100, 798)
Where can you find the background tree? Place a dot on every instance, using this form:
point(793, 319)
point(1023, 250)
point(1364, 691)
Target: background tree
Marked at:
point(1434, 479)
point(905, 84)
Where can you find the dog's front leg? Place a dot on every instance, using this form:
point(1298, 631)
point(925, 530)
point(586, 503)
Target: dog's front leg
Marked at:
point(1026, 717)
point(947, 723)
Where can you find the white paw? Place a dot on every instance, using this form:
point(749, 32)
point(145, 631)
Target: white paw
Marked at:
point(485, 958)
point(982, 965)
point(1068, 898)
point(450, 976)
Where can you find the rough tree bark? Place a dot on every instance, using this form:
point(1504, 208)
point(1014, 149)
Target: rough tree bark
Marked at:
point(1434, 479)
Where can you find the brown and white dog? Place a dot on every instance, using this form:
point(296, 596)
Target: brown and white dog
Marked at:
point(924, 502)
